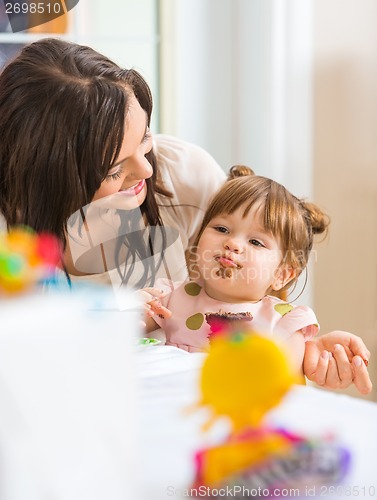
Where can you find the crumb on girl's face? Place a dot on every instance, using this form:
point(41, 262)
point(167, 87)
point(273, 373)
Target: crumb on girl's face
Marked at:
point(238, 259)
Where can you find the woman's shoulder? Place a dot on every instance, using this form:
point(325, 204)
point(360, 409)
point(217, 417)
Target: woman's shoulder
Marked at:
point(176, 149)
point(185, 164)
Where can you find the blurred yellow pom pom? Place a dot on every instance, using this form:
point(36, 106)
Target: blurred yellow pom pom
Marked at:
point(244, 376)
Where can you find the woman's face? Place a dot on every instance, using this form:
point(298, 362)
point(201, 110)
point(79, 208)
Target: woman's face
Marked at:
point(125, 186)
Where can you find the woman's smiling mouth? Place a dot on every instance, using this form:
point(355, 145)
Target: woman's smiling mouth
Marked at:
point(133, 190)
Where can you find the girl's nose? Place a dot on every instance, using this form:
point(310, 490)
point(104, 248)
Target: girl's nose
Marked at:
point(233, 245)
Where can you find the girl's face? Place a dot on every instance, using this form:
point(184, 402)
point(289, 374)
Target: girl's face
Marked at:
point(125, 186)
point(238, 259)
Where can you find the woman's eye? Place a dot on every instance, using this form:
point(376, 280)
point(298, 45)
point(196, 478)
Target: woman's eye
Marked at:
point(115, 175)
point(147, 137)
point(256, 243)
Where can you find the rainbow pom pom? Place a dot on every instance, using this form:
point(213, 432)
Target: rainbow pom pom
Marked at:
point(26, 258)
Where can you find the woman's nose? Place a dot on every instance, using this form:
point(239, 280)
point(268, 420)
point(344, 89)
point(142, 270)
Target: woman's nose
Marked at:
point(233, 245)
point(140, 168)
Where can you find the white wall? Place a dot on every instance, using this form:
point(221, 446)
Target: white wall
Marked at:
point(237, 79)
point(239, 72)
point(345, 161)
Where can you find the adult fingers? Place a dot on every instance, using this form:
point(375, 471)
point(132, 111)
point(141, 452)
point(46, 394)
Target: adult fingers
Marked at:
point(333, 380)
point(326, 374)
point(361, 376)
point(351, 341)
point(320, 373)
point(344, 369)
point(358, 348)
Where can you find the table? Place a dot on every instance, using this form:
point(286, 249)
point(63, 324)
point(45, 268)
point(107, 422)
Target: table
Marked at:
point(88, 415)
point(169, 384)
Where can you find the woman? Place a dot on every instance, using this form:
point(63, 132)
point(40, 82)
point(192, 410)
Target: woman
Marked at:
point(77, 159)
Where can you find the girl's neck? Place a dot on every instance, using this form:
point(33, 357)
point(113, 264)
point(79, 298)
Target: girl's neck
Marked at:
point(230, 299)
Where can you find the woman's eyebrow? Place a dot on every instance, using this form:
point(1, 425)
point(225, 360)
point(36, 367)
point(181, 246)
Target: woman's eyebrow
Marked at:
point(118, 163)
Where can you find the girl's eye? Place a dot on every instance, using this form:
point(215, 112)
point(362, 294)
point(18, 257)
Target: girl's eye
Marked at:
point(256, 243)
point(221, 229)
point(116, 175)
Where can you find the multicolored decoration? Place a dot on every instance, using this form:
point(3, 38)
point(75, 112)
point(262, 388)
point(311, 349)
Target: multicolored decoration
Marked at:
point(244, 376)
point(26, 258)
point(270, 460)
point(148, 341)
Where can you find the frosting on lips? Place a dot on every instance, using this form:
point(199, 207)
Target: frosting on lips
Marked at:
point(226, 262)
point(227, 266)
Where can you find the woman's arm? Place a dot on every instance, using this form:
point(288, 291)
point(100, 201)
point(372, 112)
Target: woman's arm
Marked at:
point(336, 360)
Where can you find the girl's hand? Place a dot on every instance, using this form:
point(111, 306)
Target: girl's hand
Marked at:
point(151, 298)
point(336, 360)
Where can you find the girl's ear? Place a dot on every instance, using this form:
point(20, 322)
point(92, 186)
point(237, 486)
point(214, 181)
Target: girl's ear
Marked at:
point(283, 275)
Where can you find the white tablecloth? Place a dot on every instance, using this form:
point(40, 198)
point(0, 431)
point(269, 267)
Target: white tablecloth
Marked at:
point(73, 427)
point(168, 380)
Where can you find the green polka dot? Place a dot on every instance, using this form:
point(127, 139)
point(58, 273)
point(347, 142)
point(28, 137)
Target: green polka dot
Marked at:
point(195, 322)
point(283, 309)
point(192, 289)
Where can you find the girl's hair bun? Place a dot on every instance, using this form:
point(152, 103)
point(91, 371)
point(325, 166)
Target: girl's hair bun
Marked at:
point(318, 220)
point(239, 171)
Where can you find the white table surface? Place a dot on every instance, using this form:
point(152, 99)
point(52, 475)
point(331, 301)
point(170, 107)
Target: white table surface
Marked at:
point(168, 380)
point(73, 427)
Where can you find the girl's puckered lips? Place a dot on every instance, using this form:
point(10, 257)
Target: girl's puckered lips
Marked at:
point(226, 261)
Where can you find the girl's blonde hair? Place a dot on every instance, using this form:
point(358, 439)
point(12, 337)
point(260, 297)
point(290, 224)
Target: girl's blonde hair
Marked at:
point(291, 220)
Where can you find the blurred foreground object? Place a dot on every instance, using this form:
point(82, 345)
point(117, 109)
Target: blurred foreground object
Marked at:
point(26, 258)
point(245, 376)
point(68, 404)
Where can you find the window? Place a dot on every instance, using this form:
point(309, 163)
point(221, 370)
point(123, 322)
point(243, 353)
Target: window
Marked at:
point(126, 31)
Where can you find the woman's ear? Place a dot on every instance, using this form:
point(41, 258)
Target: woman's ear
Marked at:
point(283, 276)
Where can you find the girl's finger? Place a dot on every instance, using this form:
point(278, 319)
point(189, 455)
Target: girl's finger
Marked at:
point(159, 309)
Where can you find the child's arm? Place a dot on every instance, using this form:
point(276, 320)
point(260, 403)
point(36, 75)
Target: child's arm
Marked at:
point(150, 324)
point(296, 348)
point(151, 298)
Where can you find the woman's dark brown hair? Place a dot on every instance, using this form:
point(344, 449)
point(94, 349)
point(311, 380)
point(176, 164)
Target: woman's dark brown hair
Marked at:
point(62, 116)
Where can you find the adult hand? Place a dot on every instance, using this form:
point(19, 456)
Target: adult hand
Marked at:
point(337, 359)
